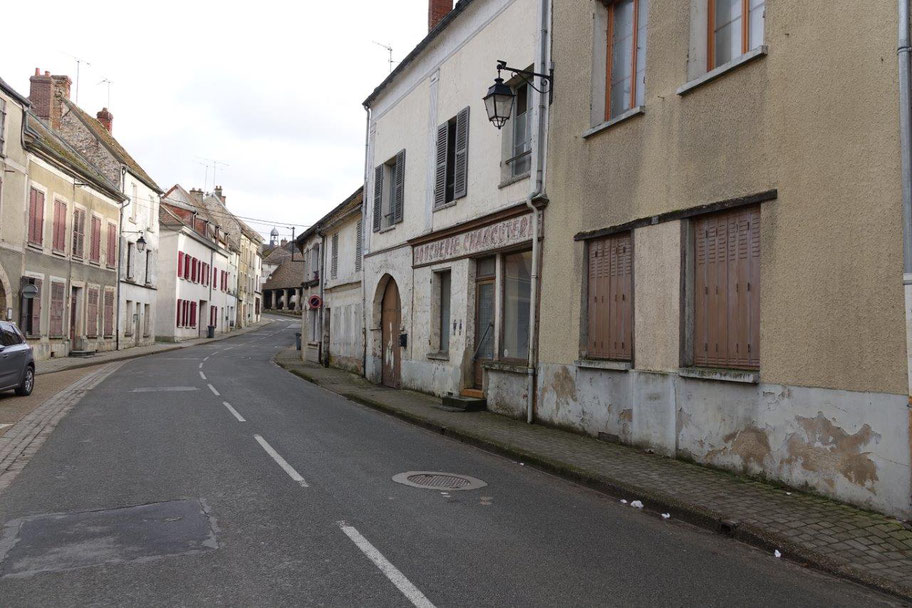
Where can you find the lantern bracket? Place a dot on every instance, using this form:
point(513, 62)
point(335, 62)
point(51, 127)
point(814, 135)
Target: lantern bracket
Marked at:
point(546, 78)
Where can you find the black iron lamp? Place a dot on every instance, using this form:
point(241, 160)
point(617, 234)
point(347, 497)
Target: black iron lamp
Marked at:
point(140, 243)
point(499, 100)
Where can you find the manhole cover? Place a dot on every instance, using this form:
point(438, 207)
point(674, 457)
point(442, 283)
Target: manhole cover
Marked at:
point(432, 480)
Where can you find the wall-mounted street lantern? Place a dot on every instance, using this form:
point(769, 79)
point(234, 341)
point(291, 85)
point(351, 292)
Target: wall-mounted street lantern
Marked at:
point(140, 242)
point(499, 100)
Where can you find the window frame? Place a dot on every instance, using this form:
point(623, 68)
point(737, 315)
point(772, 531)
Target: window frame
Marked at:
point(610, 7)
point(513, 158)
point(444, 278)
point(745, 32)
point(501, 276)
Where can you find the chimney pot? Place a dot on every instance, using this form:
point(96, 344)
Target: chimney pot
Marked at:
point(106, 119)
point(37, 72)
point(437, 10)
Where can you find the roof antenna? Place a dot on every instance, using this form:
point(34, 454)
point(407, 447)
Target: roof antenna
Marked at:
point(109, 83)
point(389, 49)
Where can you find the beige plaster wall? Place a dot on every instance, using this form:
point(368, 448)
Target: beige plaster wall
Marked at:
point(657, 308)
point(816, 118)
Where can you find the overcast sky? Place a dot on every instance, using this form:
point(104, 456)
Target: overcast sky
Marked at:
point(273, 89)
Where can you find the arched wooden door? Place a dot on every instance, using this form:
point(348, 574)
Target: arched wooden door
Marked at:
point(390, 320)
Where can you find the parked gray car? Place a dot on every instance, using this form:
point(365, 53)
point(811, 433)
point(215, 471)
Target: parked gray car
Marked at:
point(17, 363)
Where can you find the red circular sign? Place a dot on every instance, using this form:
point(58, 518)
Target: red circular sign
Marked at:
point(314, 301)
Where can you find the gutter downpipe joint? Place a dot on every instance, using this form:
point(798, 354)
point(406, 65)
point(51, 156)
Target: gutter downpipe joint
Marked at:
point(538, 198)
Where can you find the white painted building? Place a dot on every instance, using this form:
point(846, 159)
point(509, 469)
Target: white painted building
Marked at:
point(195, 276)
point(448, 228)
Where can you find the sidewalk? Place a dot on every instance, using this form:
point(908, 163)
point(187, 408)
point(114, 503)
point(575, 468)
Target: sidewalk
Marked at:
point(63, 363)
point(866, 547)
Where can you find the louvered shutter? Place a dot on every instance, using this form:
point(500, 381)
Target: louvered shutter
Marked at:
point(180, 264)
point(399, 189)
point(335, 255)
point(57, 306)
point(92, 313)
point(96, 239)
point(36, 309)
point(108, 313)
point(359, 246)
point(610, 309)
point(378, 197)
point(461, 170)
point(443, 141)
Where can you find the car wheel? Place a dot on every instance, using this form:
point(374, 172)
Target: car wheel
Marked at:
point(28, 383)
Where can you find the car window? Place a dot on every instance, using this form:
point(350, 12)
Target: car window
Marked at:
point(7, 336)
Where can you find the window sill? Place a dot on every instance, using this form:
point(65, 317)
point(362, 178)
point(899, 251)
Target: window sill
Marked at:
point(513, 180)
point(616, 366)
point(510, 367)
point(452, 203)
point(439, 356)
point(58, 254)
point(747, 57)
point(637, 111)
point(93, 263)
point(387, 228)
point(35, 247)
point(720, 375)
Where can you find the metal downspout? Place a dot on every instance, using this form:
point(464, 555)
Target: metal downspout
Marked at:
point(905, 141)
point(364, 308)
point(123, 180)
point(536, 198)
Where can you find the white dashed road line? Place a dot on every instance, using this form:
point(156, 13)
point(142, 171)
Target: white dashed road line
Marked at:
point(214, 392)
point(281, 462)
point(409, 590)
point(202, 375)
point(233, 411)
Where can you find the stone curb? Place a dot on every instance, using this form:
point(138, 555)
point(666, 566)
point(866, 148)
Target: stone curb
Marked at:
point(89, 362)
point(656, 502)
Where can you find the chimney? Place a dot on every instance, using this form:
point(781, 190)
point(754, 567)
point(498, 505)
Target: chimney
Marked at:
point(105, 118)
point(46, 93)
point(218, 193)
point(437, 10)
point(284, 242)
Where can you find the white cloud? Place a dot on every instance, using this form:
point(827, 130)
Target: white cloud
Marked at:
point(273, 89)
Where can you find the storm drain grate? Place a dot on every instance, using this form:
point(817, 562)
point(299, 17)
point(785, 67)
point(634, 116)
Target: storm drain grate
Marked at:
point(432, 480)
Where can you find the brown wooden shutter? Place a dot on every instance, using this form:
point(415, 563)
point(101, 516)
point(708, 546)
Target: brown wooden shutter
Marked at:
point(36, 217)
point(399, 190)
point(461, 171)
point(36, 309)
point(92, 313)
point(96, 239)
point(727, 290)
point(378, 197)
point(443, 140)
point(610, 314)
point(108, 313)
point(57, 306)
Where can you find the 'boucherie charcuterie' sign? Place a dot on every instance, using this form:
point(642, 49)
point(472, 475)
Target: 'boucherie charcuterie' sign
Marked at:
point(505, 233)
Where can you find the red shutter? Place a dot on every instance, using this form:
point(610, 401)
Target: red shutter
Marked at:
point(96, 239)
point(192, 314)
point(59, 240)
point(108, 313)
point(36, 309)
point(92, 313)
point(177, 321)
point(36, 217)
point(112, 245)
point(58, 292)
point(180, 265)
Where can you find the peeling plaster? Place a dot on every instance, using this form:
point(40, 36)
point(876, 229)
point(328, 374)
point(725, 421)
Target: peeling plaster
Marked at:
point(830, 451)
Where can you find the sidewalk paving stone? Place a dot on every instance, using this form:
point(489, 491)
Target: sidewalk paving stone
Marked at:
point(860, 545)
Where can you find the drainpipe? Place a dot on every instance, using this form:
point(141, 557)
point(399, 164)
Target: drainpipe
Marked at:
point(364, 313)
point(323, 302)
point(123, 183)
point(905, 141)
point(538, 199)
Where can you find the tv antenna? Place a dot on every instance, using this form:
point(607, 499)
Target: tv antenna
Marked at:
point(214, 164)
point(79, 63)
point(109, 83)
point(389, 49)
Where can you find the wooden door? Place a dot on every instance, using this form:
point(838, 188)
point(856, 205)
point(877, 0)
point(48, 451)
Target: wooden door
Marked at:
point(390, 321)
point(73, 299)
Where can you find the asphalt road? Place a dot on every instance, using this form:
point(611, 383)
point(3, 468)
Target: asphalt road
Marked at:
point(295, 506)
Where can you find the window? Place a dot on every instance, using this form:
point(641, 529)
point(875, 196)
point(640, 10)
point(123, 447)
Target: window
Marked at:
point(30, 310)
point(112, 245)
point(180, 264)
point(192, 314)
point(443, 321)
point(180, 308)
point(134, 203)
point(108, 313)
point(452, 159)
point(36, 217)
point(148, 272)
point(78, 233)
point(58, 305)
point(359, 245)
point(95, 248)
point(735, 27)
point(517, 288)
point(626, 56)
point(389, 192)
point(609, 306)
point(59, 235)
point(727, 290)
point(147, 321)
point(128, 318)
point(334, 268)
point(519, 160)
point(92, 312)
